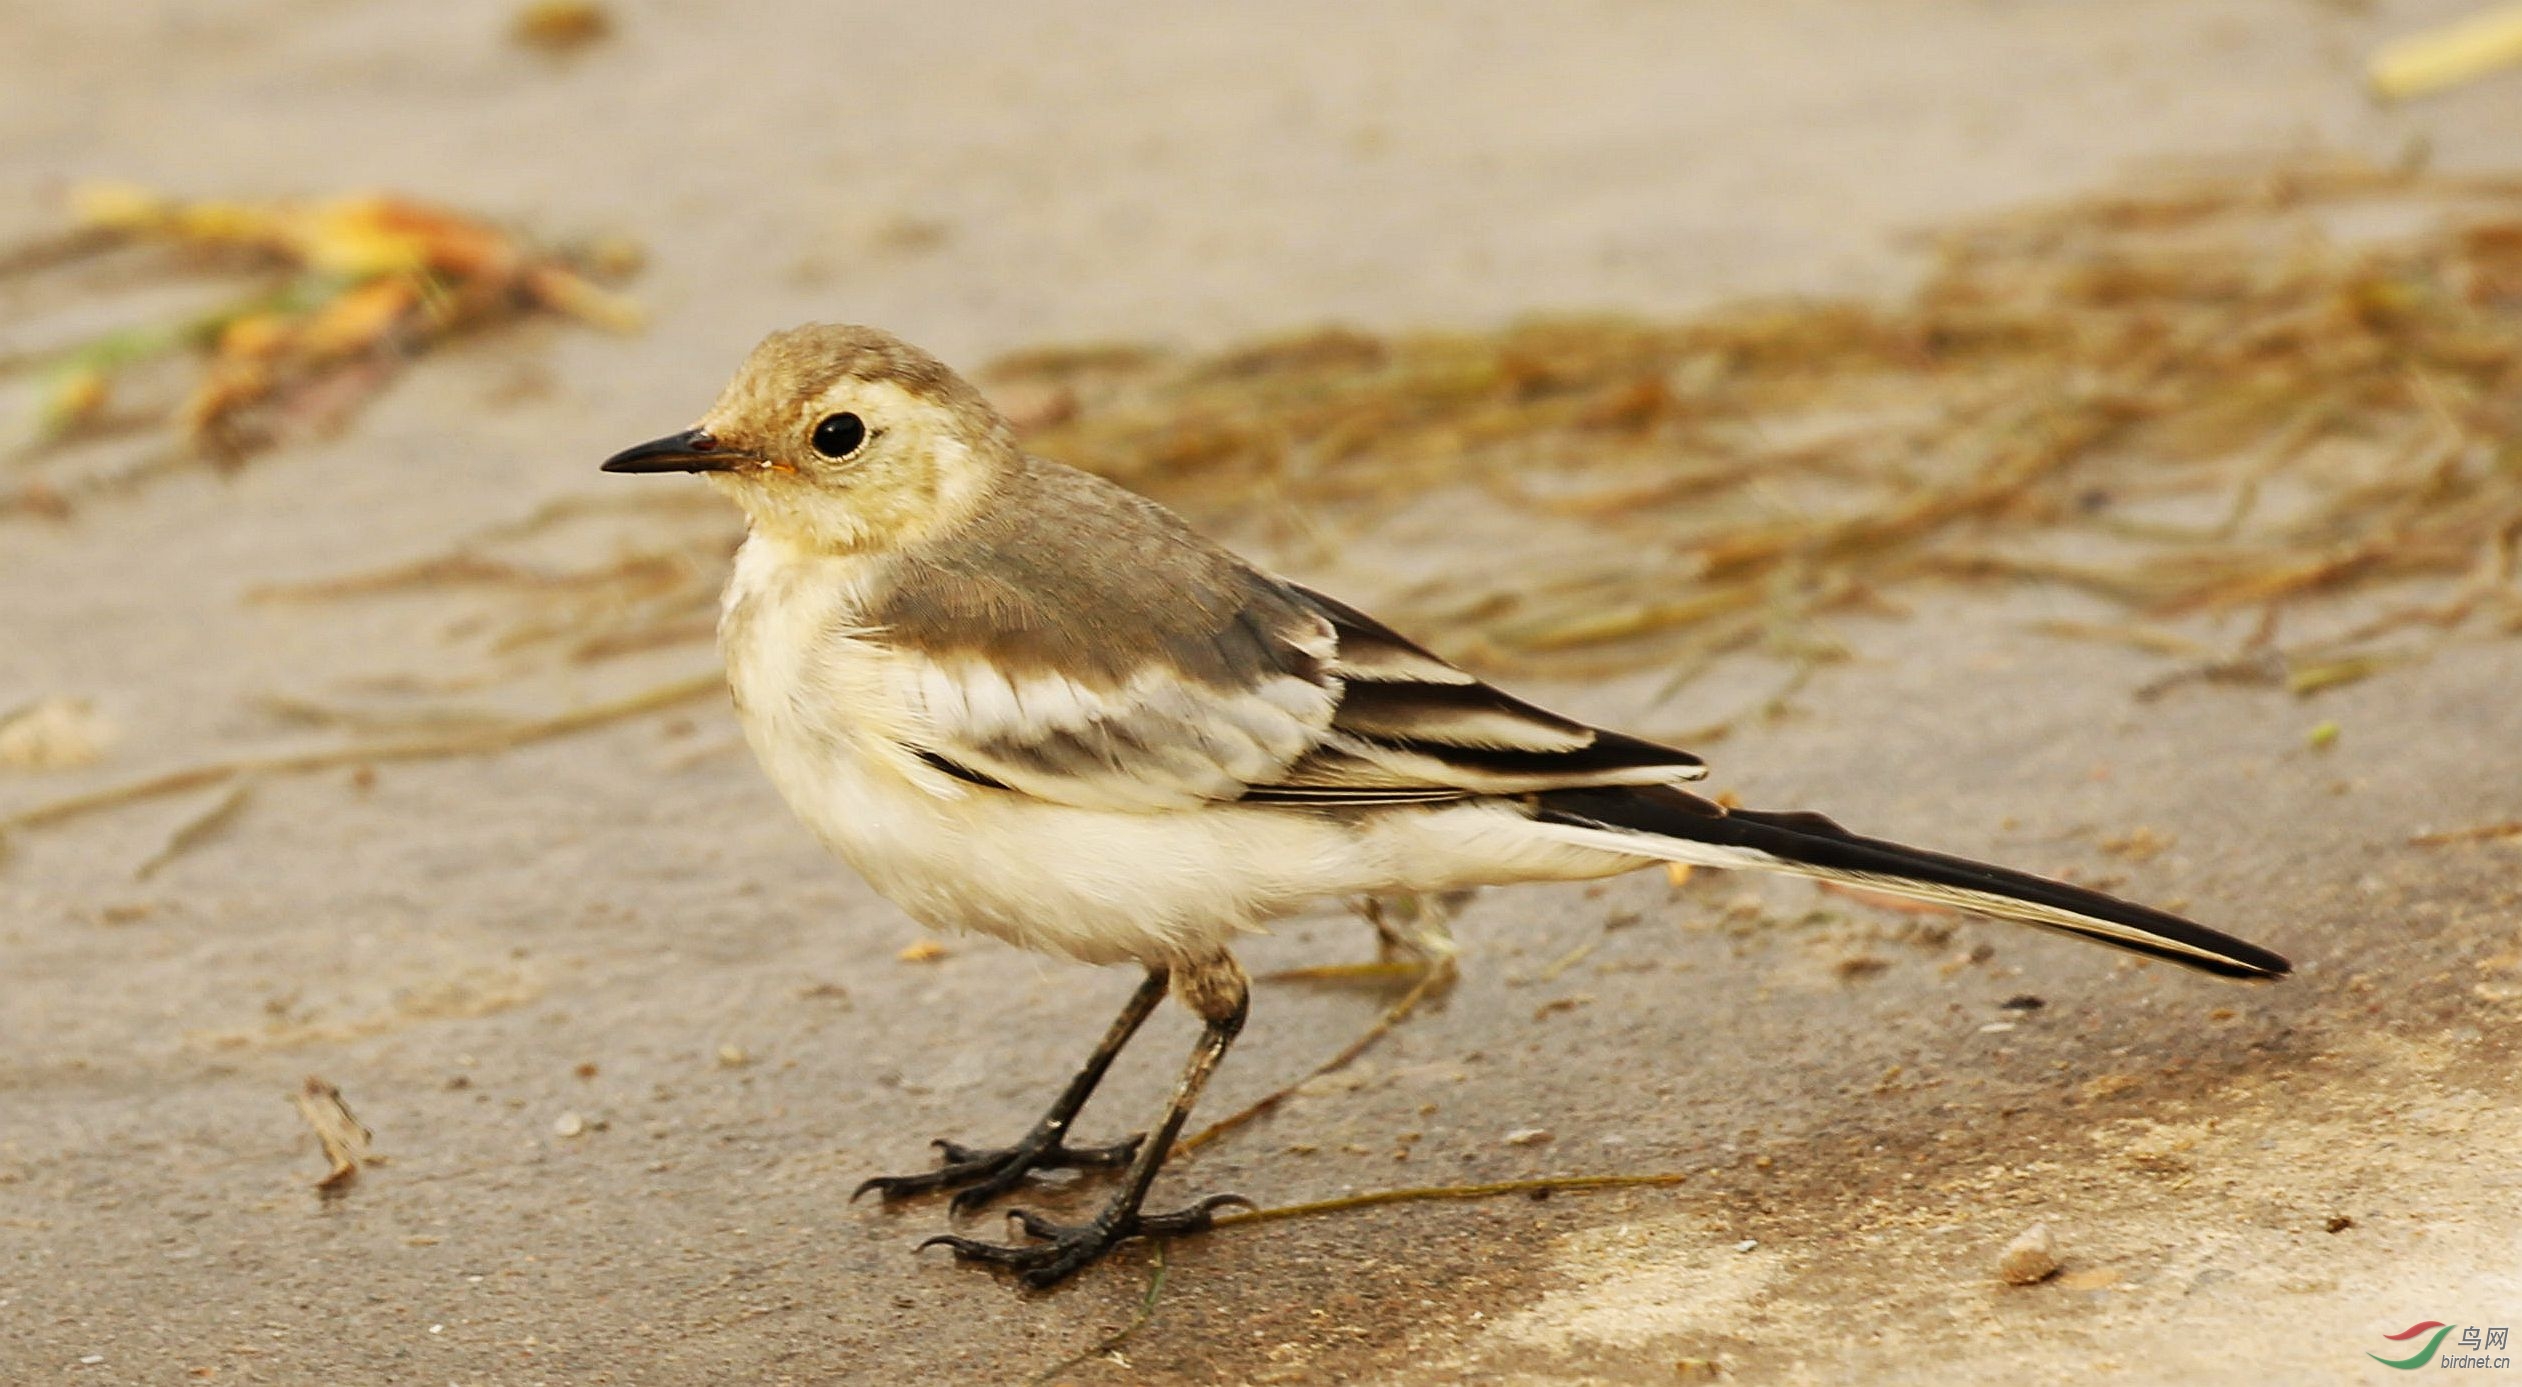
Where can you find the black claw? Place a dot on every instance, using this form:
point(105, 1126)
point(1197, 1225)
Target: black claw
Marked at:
point(1049, 1274)
point(974, 1250)
point(1061, 1250)
point(973, 1200)
point(1036, 1226)
point(1199, 1218)
point(1008, 1170)
point(982, 1174)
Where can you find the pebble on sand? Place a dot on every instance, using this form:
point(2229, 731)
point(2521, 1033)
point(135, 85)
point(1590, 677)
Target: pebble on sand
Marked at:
point(54, 734)
point(2030, 1259)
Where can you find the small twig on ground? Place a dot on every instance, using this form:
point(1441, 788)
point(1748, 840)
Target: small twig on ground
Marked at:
point(468, 743)
point(1563, 1184)
point(2510, 828)
point(1114, 1340)
point(1557, 967)
point(2150, 639)
point(195, 831)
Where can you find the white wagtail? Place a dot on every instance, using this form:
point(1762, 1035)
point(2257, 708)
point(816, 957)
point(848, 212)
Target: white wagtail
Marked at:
point(1022, 700)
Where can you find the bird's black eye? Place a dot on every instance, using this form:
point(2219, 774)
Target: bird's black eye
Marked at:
point(839, 435)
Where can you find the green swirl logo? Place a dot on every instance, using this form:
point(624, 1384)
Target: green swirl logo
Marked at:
point(2422, 1356)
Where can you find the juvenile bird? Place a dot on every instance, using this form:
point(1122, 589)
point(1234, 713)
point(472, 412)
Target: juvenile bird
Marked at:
point(1022, 700)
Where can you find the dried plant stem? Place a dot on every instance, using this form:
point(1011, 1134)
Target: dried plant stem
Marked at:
point(1562, 1184)
point(1118, 1337)
point(474, 742)
point(195, 831)
point(2483, 833)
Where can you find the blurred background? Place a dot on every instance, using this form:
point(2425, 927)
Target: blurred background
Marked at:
point(2077, 435)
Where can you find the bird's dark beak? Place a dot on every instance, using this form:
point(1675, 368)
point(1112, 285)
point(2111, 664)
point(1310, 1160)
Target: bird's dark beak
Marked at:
point(693, 450)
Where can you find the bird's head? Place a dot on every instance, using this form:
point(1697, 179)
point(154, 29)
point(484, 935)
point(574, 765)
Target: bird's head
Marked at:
point(840, 439)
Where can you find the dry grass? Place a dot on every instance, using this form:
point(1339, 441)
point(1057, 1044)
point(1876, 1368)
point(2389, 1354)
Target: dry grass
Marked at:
point(2216, 391)
point(2237, 391)
point(302, 311)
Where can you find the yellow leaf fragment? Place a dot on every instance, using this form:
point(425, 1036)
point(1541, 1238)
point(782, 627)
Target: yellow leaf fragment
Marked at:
point(2448, 55)
point(256, 335)
point(363, 270)
point(361, 318)
point(115, 206)
point(560, 26)
point(228, 387)
point(373, 234)
point(2310, 679)
point(73, 398)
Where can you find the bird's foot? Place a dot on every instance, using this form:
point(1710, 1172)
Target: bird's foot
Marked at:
point(1061, 1250)
point(979, 1175)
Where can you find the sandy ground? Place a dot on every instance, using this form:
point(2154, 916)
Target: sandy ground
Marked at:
point(476, 950)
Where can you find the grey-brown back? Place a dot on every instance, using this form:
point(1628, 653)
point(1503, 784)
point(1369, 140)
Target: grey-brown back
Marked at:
point(1062, 571)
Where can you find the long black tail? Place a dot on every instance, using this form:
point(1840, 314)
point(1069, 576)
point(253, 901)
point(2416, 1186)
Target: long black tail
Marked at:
point(1680, 827)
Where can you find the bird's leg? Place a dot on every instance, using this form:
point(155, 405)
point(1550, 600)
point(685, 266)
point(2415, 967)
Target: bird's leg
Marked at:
point(979, 1175)
point(1219, 993)
point(1415, 931)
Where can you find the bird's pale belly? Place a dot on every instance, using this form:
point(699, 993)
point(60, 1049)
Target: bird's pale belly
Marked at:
point(1094, 884)
point(1104, 886)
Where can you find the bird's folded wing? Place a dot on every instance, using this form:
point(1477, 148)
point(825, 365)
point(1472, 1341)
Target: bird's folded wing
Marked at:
point(1327, 707)
point(1410, 725)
